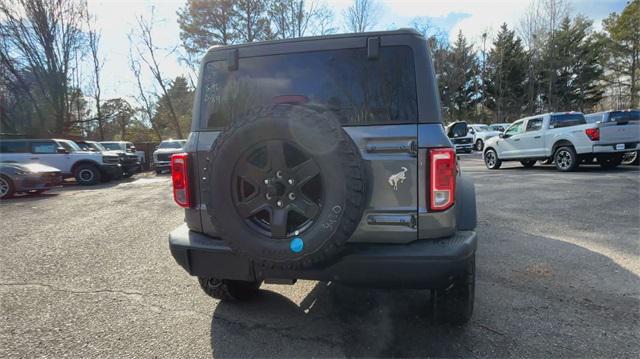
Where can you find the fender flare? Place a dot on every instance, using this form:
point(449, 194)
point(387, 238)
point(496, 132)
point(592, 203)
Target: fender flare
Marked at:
point(560, 142)
point(83, 162)
point(466, 215)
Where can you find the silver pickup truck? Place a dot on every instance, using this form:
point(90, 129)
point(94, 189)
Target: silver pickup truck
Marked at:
point(567, 139)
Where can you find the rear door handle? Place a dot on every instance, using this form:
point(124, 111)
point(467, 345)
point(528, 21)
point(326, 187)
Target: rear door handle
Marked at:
point(537, 136)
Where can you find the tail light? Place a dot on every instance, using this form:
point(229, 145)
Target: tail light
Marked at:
point(180, 179)
point(593, 134)
point(443, 178)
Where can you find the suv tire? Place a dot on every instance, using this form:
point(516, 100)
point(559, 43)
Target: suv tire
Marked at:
point(491, 159)
point(229, 290)
point(266, 143)
point(87, 174)
point(479, 145)
point(528, 163)
point(631, 158)
point(6, 187)
point(455, 304)
point(610, 162)
point(566, 159)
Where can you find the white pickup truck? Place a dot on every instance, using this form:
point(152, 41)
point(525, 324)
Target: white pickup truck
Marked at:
point(566, 138)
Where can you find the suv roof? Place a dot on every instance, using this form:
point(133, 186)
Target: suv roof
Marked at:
point(404, 31)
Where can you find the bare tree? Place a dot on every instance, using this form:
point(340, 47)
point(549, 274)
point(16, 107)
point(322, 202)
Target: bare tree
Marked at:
point(148, 54)
point(294, 18)
point(42, 38)
point(97, 62)
point(553, 11)
point(362, 15)
point(322, 23)
point(143, 99)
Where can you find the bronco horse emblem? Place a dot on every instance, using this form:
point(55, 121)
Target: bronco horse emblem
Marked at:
point(398, 177)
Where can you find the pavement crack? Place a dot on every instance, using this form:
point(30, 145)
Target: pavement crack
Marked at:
point(282, 331)
point(75, 291)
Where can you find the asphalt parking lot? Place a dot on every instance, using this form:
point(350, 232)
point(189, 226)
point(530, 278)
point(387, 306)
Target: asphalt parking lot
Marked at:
point(87, 272)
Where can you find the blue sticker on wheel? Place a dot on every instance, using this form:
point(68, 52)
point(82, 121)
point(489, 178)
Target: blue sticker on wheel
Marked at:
point(296, 245)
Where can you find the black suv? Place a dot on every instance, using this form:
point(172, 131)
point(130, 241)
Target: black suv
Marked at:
point(324, 158)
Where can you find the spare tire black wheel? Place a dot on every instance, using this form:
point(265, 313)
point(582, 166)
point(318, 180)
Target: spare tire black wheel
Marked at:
point(285, 186)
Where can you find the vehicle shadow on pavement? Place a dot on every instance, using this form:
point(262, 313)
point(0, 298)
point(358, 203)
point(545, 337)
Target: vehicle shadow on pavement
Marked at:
point(545, 304)
point(583, 168)
point(29, 197)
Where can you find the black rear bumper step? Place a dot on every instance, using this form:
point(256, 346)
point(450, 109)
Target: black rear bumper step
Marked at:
point(421, 264)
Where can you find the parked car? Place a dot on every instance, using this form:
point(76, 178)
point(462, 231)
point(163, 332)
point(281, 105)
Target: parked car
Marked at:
point(461, 143)
point(629, 158)
point(481, 133)
point(124, 146)
point(27, 178)
point(162, 155)
point(128, 160)
point(87, 167)
point(346, 188)
point(565, 137)
point(499, 127)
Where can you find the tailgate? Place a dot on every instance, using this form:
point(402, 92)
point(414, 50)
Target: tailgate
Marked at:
point(614, 132)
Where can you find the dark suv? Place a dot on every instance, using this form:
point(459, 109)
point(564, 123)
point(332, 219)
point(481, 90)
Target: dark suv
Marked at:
point(324, 158)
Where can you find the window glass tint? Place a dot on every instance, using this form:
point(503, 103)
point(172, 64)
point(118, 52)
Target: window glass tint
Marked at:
point(567, 120)
point(112, 146)
point(515, 129)
point(357, 90)
point(44, 147)
point(170, 144)
point(624, 116)
point(69, 146)
point(14, 147)
point(594, 117)
point(534, 124)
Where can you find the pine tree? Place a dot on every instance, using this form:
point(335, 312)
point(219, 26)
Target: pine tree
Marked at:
point(506, 76)
point(623, 49)
point(572, 68)
point(458, 80)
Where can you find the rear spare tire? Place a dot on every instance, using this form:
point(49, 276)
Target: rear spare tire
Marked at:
point(286, 186)
point(229, 290)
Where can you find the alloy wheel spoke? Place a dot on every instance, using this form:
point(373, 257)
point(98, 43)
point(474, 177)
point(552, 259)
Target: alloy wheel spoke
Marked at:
point(275, 150)
point(306, 171)
point(306, 207)
point(250, 207)
point(279, 222)
point(251, 173)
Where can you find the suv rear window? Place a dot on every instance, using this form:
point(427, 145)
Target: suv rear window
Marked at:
point(358, 90)
point(566, 120)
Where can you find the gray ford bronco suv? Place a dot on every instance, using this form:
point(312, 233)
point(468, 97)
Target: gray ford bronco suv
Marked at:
point(325, 158)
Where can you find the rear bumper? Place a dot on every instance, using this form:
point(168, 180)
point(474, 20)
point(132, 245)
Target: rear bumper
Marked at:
point(420, 264)
point(611, 148)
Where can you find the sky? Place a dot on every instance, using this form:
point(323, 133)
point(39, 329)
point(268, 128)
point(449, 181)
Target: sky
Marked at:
point(116, 18)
